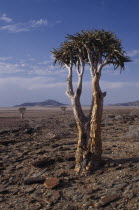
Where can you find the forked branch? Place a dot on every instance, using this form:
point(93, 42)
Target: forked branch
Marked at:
point(92, 68)
point(69, 92)
point(80, 72)
point(101, 65)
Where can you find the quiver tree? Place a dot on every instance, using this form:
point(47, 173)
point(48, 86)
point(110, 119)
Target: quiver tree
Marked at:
point(96, 48)
point(63, 108)
point(22, 111)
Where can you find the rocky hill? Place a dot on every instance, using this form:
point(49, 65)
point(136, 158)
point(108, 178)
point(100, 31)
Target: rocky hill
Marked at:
point(134, 103)
point(43, 103)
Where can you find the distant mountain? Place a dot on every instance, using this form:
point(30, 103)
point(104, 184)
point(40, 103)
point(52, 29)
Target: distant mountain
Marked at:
point(44, 103)
point(134, 103)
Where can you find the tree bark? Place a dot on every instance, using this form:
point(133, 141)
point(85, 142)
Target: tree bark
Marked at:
point(95, 143)
point(89, 148)
point(83, 133)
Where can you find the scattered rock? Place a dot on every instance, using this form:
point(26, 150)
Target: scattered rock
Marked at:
point(3, 190)
point(108, 199)
point(6, 143)
point(55, 145)
point(113, 205)
point(129, 117)
point(1, 166)
point(119, 167)
point(120, 186)
point(56, 196)
point(51, 183)
point(136, 179)
point(131, 195)
point(34, 180)
point(1, 199)
point(51, 149)
point(40, 173)
point(4, 132)
point(71, 165)
point(63, 174)
point(71, 208)
point(30, 190)
point(19, 167)
point(112, 164)
point(1, 163)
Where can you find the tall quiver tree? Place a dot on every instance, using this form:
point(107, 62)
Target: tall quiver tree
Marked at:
point(97, 48)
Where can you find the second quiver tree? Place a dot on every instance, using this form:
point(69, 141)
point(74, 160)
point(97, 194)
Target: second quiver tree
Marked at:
point(63, 108)
point(22, 112)
point(96, 48)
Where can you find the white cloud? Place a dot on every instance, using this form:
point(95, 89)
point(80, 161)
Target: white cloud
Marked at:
point(17, 27)
point(5, 18)
point(26, 66)
point(16, 90)
point(136, 60)
point(112, 85)
point(40, 22)
point(26, 83)
point(58, 21)
point(8, 68)
point(45, 69)
point(5, 58)
point(133, 53)
point(24, 27)
point(46, 62)
point(109, 70)
point(52, 57)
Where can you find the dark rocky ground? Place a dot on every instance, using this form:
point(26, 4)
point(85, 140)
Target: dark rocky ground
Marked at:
point(42, 147)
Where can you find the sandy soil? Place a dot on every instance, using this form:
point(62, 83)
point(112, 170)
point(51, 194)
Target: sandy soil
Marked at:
point(42, 146)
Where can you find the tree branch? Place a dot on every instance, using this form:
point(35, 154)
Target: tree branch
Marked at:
point(80, 73)
point(78, 67)
point(70, 92)
point(101, 65)
point(92, 68)
point(78, 112)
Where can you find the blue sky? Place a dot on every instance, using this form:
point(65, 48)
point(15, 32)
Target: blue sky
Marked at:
point(30, 29)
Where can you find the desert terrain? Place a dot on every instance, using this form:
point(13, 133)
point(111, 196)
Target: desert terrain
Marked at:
point(37, 161)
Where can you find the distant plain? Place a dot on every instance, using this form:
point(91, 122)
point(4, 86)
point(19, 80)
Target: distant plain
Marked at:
point(49, 136)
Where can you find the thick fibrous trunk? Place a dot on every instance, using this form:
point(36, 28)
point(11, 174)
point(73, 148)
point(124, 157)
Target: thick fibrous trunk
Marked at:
point(83, 134)
point(95, 131)
point(89, 148)
point(83, 138)
point(95, 143)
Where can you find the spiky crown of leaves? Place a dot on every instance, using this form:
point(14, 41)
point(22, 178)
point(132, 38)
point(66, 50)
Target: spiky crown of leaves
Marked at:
point(99, 43)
